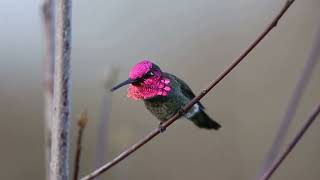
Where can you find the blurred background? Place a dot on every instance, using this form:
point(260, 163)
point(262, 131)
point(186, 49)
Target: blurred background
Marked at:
point(195, 40)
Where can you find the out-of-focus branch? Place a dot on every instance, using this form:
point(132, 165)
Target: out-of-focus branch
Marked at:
point(102, 128)
point(48, 27)
point(276, 163)
point(311, 61)
point(59, 166)
point(82, 122)
point(156, 131)
point(108, 78)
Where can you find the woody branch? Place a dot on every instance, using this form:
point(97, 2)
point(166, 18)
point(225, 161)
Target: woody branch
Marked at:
point(156, 131)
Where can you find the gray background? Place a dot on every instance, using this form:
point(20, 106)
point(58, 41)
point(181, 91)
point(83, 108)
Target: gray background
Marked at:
point(193, 39)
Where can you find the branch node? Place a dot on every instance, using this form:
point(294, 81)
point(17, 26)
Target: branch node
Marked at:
point(205, 91)
point(83, 119)
point(289, 2)
point(275, 23)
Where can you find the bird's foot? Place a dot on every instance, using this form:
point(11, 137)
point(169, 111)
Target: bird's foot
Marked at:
point(181, 111)
point(161, 128)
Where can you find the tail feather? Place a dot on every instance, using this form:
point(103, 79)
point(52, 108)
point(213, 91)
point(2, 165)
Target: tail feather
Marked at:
point(202, 120)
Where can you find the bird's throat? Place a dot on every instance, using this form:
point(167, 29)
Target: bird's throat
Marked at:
point(149, 88)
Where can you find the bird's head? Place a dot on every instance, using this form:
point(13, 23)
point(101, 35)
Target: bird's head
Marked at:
point(145, 81)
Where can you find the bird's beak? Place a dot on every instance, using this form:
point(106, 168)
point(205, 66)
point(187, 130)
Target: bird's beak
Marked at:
point(128, 81)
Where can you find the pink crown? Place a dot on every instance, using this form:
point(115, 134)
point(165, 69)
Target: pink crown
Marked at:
point(139, 69)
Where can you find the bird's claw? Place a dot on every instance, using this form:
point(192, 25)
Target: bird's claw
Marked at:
point(181, 112)
point(161, 128)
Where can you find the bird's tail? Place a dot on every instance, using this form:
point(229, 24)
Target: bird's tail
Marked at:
point(202, 120)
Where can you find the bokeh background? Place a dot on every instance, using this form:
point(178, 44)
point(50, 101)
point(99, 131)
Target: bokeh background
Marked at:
point(194, 40)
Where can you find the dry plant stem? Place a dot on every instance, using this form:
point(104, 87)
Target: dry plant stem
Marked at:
point(78, 154)
point(292, 144)
point(156, 131)
point(310, 63)
point(48, 27)
point(82, 122)
point(59, 166)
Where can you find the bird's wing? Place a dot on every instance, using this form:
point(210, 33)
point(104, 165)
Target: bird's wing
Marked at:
point(186, 90)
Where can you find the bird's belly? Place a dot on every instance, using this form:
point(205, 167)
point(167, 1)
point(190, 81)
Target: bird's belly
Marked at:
point(163, 110)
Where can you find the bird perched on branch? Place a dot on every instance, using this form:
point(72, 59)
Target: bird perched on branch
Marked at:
point(164, 94)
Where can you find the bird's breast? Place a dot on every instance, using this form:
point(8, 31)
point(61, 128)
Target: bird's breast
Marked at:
point(163, 107)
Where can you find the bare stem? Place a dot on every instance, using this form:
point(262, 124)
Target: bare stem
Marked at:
point(82, 122)
point(156, 131)
point(310, 63)
point(59, 166)
point(276, 163)
point(48, 27)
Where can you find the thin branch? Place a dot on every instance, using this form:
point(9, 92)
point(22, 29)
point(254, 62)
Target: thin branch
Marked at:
point(310, 63)
point(59, 166)
point(48, 27)
point(292, 144)
point(156, 131)
point(82, 122)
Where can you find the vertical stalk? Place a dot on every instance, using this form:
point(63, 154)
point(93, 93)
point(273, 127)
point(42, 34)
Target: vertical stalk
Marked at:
point(109, 77)
point(82, 122)
point(48, 27)
point(59, 166)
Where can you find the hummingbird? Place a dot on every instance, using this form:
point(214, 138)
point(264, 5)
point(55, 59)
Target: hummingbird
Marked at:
point(164, 94)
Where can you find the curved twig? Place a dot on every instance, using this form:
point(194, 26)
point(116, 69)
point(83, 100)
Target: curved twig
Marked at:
point(156, 131)
point(276, 163)
point(304, 78)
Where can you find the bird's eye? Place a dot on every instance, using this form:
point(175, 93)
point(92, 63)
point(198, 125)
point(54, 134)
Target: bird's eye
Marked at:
point(148, 74)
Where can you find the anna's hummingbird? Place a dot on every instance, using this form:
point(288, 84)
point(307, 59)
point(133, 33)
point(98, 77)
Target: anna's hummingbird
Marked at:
point(164, 94)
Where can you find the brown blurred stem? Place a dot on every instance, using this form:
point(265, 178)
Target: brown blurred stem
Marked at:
point(59, 166)
point(156, 131)
point(276, 163)
point(82, 122)
point(311, 61)
point(48, 27)
point(78, 154)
